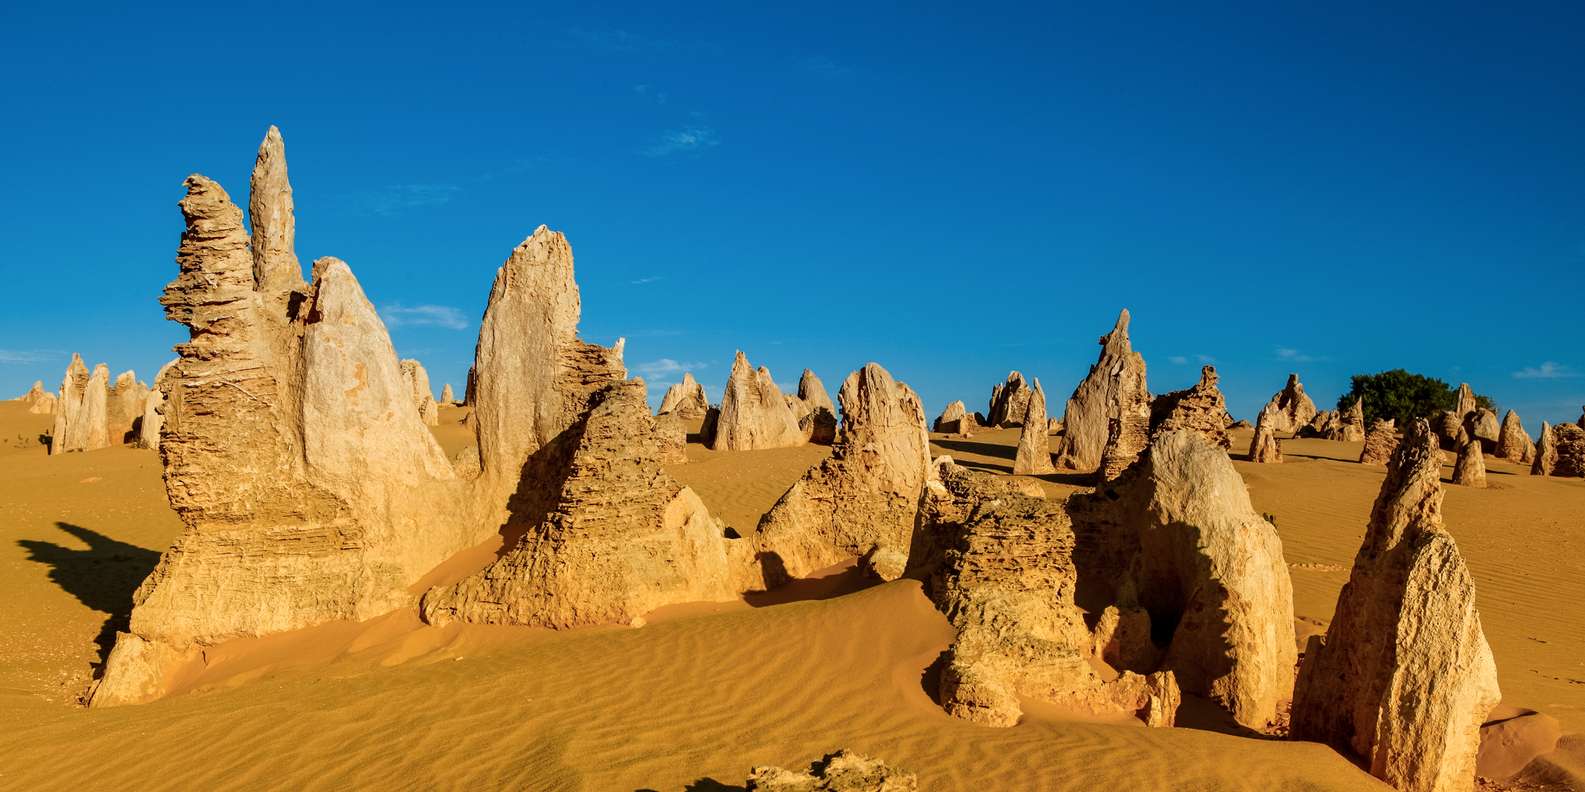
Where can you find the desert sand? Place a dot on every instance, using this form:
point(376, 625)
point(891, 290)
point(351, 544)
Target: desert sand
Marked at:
point(703, 692)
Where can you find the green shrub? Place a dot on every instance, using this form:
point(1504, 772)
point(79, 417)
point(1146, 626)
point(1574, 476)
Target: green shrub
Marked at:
point(1404, 396)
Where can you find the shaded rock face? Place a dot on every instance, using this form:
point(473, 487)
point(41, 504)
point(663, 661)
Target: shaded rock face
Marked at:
point(817, 417)
point(124, 408)
point(1001, 569)
point(863, 499)
point(1264, 446)
point(153, 410)
point(1349, 426)
point(1293, 410)
point(686, 399)
point(1114, 388)
point(1009, 401)
point(1513, 443)
point(423, 396)
point(1034, 451)
point(813, 392)
point(843, 771)
point(1324, 424)
point(1449, 428)
point(953, 420)
point(1210, 572)
point(754, 414)
point(1482, 425)
point(1380, 442)
point(1568, 440)
point(1403, 677)
point(38, 400)
point(81, 417)
point(1545, 452)
point(671, 438)
point(309, 487)
point(1200, 408)
point(622, 538)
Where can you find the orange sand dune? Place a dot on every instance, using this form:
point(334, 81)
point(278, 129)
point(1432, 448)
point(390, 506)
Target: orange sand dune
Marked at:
point(695, 698)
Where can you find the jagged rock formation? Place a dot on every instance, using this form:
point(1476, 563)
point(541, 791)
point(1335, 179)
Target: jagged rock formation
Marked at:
point(671, 439)
point(1293, 410)
point(1545, 452)
point(686, 399)
point(153, 413)
point(1264, 447)
point(423, 396)
point(124, 408)
point(622, 538)
point(1470, 469)
point(1380, 442)
point(1034, 449)
point(862, 500)
point(1204, 560)
point(1349, 426)
point(1325, 423)
point(1403, 677)
point(754, 414)
point(309, 487)
point(1114, 388)
point(1482, 425)
point(953, 420)
point(843, 771)
point(1126, 437)
point(1513, 442)
point(81, 416)
point(1200, 408)
point(1465, 402)
point(1009, 401)
point(1568, 440)
point(1004, 576)
point(817, 417)
point(38, 400)
point(447, 397)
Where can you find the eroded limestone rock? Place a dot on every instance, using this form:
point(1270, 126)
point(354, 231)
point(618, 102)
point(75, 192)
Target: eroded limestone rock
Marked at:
point(1002, 572)
point(1034, 450)
point(1403, 676)
point(1200, 408)
point(1264, 446)
point(843, 771)
point(1350, 424)
point(754, 414)
point(423, 396)
point(38, 400)
point(81, 416)
point(862, 500)
point(1470, 469)
point(1293, 410)
point(1380, 442)
point(1009, 401)
point(447, 397)
point(622, 538)
point(686, 399)
point(1513, 442)
point(1545, 452)
point(952, 419)
point(1569, 442)
point(1114, 388)
point(153, 410)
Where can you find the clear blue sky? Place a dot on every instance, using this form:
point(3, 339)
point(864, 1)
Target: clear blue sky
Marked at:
point(952, 192)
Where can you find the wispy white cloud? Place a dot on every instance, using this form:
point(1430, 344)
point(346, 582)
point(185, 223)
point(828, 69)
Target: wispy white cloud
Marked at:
point(824, 66)
point(20, 356)
point(1204, 358)
point(646, 279)
point(688, 139)
point(397, 198)
point(1294, 355)
point(1178, 360)
point(665, 367)
point(651, 93)
point(614, 41)
point(1547, 370)
point(398, 315)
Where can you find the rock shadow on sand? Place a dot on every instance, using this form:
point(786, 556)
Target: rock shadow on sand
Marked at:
point(103, 577)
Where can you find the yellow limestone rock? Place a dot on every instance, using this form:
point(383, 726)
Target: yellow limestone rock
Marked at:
point(1264, 447)
point(81, 416)
point(754, 414)
point(686, 399)
point(863, 499)
point(423, 396)
point(1034, 450)
point(1114, 388)
point(1403, 677)
point(1292, 409)
point(843, 771)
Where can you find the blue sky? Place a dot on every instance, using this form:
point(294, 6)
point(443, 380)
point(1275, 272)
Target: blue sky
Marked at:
point(950, 192)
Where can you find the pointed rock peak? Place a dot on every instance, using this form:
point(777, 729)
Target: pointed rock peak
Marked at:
point(207, 200)
point(1410, 502)
point(77, 368)
point(1293, 382)
point(273, 222)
